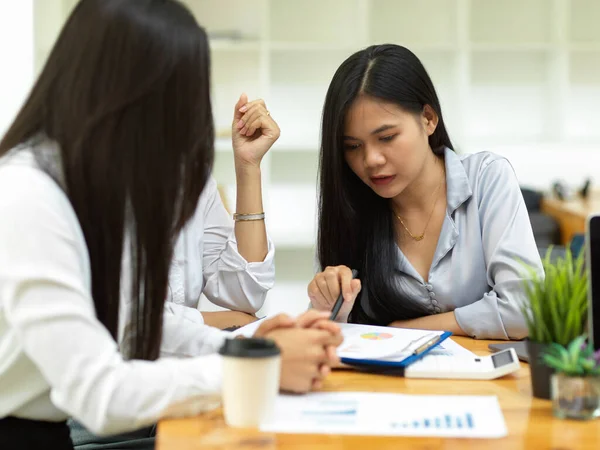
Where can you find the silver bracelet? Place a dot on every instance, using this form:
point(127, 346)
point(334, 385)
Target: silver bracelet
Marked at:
point(248, 217)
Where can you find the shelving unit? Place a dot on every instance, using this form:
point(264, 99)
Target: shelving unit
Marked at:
point(519, 77)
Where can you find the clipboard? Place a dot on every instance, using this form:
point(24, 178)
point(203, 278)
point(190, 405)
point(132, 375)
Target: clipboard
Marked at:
point(392, 364)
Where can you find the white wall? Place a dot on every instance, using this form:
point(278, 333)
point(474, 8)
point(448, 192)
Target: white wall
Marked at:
point(16, 56)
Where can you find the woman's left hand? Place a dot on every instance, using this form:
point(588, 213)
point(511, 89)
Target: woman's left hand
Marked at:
point(253, 130)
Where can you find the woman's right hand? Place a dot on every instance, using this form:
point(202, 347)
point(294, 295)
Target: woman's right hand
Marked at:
point(326, 286)
point(304, 357)
point(308, 349)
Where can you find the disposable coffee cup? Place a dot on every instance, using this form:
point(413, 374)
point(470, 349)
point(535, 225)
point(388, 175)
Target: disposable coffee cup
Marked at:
point(251, 369)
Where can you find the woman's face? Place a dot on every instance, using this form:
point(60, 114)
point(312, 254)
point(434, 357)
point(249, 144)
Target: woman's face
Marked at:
point(386, 146)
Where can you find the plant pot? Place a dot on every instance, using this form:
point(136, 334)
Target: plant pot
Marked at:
point(540, 373)
point(575, 397)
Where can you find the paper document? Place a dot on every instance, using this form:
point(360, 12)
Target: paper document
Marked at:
point(450, 349)
point(389, 344)
point(372, 342)
point(248, 330)
point(366, 413)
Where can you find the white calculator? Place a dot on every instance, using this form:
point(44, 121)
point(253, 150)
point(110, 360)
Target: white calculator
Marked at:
point(469, 368)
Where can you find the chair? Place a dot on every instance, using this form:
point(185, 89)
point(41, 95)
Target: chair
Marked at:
point(545, 228)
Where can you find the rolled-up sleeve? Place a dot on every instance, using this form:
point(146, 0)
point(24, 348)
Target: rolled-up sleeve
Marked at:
point(187, 334)
point(508, 242)
point(230, 280)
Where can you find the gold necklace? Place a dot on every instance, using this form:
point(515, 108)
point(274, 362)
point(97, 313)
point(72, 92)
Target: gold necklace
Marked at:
point(422, 235)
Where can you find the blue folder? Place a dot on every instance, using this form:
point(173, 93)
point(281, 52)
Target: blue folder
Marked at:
point(385, 365)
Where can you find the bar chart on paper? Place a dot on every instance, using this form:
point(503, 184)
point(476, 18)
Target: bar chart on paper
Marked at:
point(362, 413)
point(448, 416)
point(446, 421)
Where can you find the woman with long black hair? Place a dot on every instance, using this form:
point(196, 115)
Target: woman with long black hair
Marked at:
point(100, 173)
point(438, 238)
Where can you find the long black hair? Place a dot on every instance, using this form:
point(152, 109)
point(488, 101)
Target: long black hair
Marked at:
point(356, 226)
point(125, 95)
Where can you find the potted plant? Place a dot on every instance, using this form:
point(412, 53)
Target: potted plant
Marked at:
point(576, 381)
point(555, 310)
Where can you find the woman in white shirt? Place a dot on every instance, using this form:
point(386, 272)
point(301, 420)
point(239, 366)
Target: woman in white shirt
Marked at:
point(125, 97)
point(207, 261)
point(233, 266)
point(438, 239)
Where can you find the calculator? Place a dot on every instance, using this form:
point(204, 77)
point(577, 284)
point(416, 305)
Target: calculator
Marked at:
point(467, 368)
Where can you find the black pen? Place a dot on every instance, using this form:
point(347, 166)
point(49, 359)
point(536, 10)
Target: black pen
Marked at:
point(340, 301)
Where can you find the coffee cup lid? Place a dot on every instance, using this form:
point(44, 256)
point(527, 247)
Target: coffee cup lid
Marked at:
point(249, 348)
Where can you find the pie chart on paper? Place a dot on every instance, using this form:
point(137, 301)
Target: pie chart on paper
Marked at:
point(376, 336)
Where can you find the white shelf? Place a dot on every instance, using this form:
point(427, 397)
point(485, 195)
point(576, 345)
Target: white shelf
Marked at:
point(511, 21)
point(430, 23)
point(223, 144)
point(289, 146)
point(291, 215)
point(233, 72)
point(294, 168)
point(287, 297)
point(290, 46)
point(224, 172)
point(585, 47)
point(583, 23)
point(512, 48)
point(329, 22)
point(286, 239)
point(421, 48)
point(582, 118)
point(226, 45)
point(518, 99)
point(239, 19)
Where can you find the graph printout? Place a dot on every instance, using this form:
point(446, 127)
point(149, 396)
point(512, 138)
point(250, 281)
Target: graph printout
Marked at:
point(366, 413)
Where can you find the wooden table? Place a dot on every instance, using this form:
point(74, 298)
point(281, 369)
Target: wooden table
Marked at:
point(571, 214)
point(530, 422)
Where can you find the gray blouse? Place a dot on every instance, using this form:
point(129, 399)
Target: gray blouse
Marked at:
point(476, 270)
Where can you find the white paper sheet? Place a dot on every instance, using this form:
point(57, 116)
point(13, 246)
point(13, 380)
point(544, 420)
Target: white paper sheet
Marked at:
point(248, 330)
point(449, 348)
point(362, 413)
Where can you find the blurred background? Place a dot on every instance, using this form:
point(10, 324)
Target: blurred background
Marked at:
point(517, 77)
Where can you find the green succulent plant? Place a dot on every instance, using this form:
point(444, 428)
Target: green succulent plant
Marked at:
point(576, 359)
point(556, 304)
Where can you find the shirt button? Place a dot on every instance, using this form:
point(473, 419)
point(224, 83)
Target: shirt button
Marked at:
point(437, 310)
point(429, 287)
point(432, 294)
point(435, 303)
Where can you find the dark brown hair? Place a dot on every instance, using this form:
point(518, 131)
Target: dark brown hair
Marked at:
point(125, 95)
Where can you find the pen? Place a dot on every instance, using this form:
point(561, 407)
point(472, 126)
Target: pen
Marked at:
point(427, 345)
point(340, 301)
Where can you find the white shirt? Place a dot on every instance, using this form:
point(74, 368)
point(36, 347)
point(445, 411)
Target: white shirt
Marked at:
point(56, 358)
point(207, 260)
